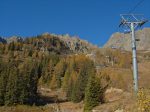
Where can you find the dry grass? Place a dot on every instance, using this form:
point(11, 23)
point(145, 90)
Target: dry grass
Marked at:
point(144, 74)
point(120, 78)
point(118, 100)
point(24, 108)
point(54, 107)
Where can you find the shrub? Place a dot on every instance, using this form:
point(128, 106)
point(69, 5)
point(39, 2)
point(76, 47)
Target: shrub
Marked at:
point(143, 101)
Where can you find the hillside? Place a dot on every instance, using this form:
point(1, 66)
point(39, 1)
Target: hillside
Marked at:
point(45, 62)
point(62, 73)
point(122, 41)
point(118, 96)
point(66, 43)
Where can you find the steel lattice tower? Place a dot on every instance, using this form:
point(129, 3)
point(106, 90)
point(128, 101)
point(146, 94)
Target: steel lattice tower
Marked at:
point(132, 22)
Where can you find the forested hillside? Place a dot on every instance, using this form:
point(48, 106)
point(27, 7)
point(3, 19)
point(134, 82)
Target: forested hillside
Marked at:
point(52, 43)
point(45, 61)
point(32, 69)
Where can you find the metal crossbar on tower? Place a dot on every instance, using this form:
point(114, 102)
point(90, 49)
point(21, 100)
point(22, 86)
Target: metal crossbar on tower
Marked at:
point(132, 22)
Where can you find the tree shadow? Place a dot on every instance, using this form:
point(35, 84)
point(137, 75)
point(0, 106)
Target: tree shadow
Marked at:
point(44, 100)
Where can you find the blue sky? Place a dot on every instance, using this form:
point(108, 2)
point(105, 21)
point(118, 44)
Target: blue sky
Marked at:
point(92, 20)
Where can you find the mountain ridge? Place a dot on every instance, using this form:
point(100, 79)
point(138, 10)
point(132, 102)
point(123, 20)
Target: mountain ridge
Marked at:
point(123, 41)
point(72, 43)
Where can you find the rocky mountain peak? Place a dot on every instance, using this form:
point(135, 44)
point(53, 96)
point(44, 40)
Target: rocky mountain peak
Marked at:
point(123, 41)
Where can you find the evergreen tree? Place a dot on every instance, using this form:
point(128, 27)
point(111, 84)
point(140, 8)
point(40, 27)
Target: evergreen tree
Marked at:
point(2, 88)
point(59, 72)
point(78, 91)
point(71, 67)
point(11, 88)
point(31, 81)
point(94, 94)
point(66, 80)
point(86, 71)
point(3, 82)
point(71, 85)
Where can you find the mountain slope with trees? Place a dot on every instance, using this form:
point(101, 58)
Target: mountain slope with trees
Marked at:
point(46, 61)
point(45, 70)
point(48, 42)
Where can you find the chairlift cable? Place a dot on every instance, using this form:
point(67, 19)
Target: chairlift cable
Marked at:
point(133, 9)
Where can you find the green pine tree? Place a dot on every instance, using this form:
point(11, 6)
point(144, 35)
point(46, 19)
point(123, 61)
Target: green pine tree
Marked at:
point(94, 94)
point(3, 82)
point(80, 85)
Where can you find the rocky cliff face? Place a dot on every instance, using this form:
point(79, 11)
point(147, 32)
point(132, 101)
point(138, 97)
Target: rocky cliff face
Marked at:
point(75, 44)
point(14, 39)
point(123, 41)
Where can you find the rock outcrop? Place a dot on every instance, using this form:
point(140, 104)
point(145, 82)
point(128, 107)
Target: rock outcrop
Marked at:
point(75, 44)
point(14, 39)
point(123, 41)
